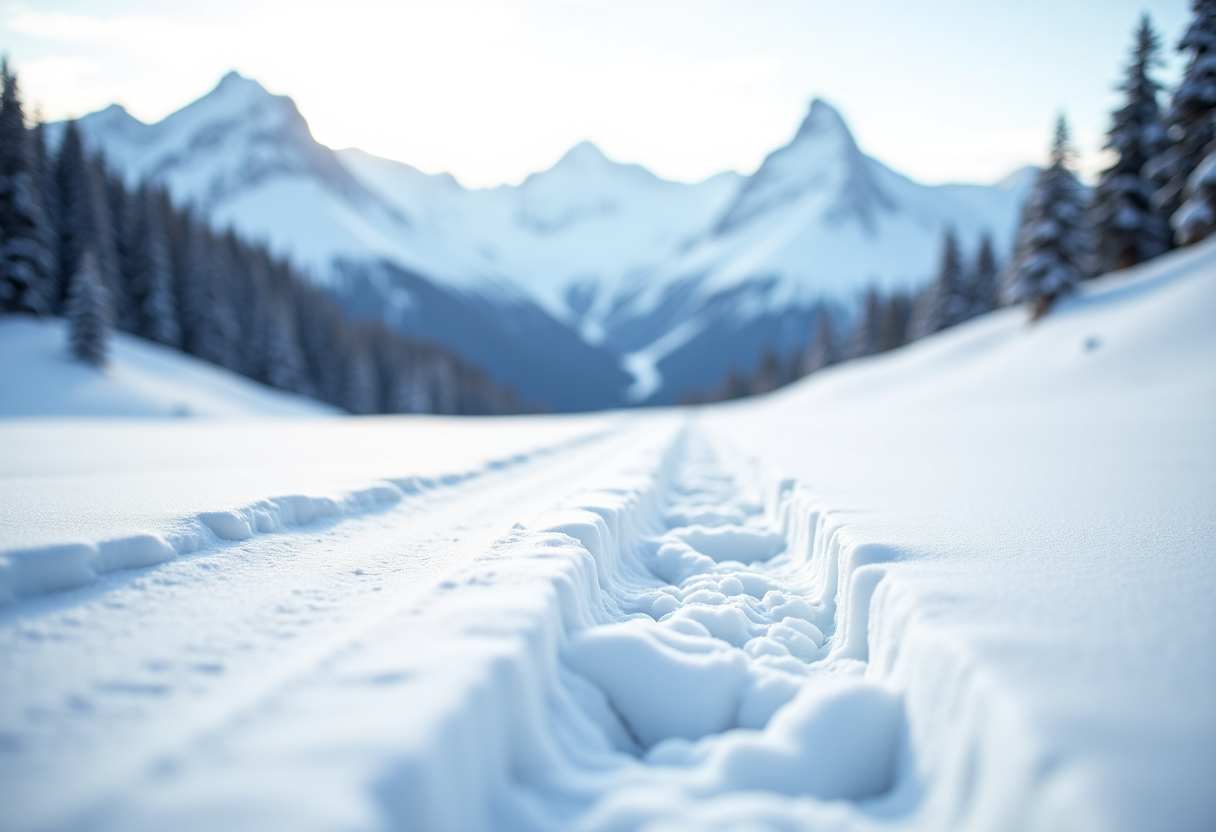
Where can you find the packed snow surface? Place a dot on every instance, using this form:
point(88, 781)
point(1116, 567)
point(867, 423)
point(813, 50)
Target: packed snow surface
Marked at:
point(966, 585)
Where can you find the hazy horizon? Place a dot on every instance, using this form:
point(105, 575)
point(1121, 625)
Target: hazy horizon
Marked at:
point(492, 90)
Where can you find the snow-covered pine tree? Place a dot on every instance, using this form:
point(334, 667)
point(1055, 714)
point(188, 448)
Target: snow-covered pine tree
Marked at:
point(1051, 252)
point(982, 280)
point(151, 278)
point(1189, 117)
point(89, 313)
point(27, 279)
point(1129, 227)
point(1196, 219)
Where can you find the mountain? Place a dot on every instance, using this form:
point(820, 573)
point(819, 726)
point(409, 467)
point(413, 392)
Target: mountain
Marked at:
point(591, 284)
point(246, 159)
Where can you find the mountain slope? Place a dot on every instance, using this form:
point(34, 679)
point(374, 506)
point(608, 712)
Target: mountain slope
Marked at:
point(662, 284)
point(41, 379)
point(246, 159)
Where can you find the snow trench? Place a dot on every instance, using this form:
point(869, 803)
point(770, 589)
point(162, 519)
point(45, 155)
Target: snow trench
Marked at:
point(32, 572)
point(679, 647)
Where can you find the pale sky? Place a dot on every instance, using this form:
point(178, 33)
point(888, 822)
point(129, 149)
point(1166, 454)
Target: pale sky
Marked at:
point(491, 90)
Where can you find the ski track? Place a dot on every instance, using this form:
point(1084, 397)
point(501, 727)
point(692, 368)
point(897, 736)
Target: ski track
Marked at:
point(29, 573)
point(663, 646)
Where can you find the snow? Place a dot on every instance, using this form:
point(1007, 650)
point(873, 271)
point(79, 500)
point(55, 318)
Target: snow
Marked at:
point(964, 585)
point(142, 379)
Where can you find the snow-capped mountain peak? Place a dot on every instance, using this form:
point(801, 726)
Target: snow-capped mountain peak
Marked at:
point(823, 160)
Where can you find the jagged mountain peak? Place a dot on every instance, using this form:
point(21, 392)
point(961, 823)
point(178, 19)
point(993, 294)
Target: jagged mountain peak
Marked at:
point(822, 119)
point(823, 161)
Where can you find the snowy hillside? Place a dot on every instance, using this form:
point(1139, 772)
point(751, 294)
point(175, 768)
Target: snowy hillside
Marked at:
point(39, 378)
point(635, 275)
point(965, 585)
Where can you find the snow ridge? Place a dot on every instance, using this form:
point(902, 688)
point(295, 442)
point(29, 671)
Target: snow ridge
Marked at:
point(36, 571)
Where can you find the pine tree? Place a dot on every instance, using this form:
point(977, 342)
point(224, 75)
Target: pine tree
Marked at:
point(982, 280)
point(1128, 227)
point(1050, 254)
point(26, 265)
point(822, 351)
point(1196, 219)
point(208, 325)
point(1189, 118)
point(768, 375)
point(89, 313)
point(284, 360)
point(361, 393)
point(84, 216)
point(893, 322)
point(151, 276)
point(946, 302)
point(864, 339)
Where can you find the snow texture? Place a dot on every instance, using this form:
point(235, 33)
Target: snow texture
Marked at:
point(963, 585)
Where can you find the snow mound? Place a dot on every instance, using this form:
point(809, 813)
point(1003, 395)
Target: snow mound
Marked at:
point(40, 378)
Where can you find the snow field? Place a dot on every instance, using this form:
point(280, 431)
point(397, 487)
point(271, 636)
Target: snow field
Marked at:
point(116, 697)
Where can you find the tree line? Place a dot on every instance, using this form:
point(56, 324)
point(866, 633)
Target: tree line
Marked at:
point(78, 242)
point(1158, 193)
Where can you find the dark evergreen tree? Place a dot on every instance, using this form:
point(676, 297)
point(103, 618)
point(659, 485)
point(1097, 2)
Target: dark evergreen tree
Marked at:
point(768, 376)
point(823, 351)
point(84, 214)
point(284, 360)
point(208, 326)
point(894, 317)
point(89, 313)
point(150, 279)
point(361, 394)
point(27, 280)
point(945, 302)
point(867, 327)
point(1189, 118)
point(1128, 227)
point(1051, 252)
point(982, 280)
point(1196, 219)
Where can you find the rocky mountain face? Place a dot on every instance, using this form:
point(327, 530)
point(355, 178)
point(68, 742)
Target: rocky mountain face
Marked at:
point(592, 284)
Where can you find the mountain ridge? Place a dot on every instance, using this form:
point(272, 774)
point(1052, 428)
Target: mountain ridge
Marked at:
point(616, 255)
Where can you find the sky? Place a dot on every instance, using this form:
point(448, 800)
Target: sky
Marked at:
point(492, 90)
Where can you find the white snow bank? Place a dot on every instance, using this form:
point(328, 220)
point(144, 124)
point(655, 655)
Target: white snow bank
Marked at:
point(40, 378)
point(65, 527)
